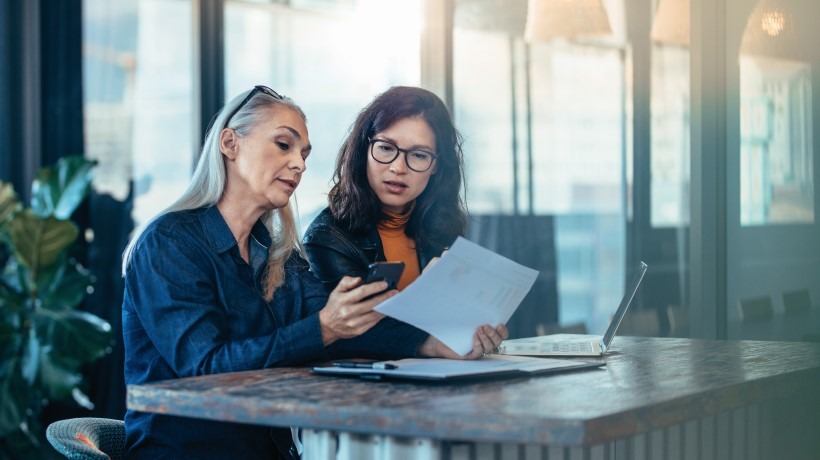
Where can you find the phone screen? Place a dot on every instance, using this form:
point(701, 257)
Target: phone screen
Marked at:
point(385, 271)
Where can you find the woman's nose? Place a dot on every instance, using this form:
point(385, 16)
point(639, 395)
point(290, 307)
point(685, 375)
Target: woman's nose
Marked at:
point(298, 163)
point(399, 165)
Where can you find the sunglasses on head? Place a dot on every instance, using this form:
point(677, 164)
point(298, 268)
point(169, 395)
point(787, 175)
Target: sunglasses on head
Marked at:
point(256, 89)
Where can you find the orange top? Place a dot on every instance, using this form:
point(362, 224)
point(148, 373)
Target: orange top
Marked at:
point(398, 246)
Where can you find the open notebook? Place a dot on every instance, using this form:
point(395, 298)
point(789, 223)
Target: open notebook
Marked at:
point(437, 369)
point(548, 345)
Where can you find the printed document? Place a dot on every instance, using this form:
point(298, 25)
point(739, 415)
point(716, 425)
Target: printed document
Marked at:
point(469, 286)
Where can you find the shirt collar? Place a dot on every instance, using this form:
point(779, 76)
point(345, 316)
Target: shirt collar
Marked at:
point(219, 234)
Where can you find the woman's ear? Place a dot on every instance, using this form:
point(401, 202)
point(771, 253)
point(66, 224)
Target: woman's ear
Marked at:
point(228, 143)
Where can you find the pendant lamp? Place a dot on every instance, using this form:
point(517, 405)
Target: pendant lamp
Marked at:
point(771, 33)
point(671, 24)
point(548, 19)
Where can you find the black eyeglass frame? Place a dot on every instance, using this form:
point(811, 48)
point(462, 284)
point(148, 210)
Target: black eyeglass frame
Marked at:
point(371, 141)
point(256, 89)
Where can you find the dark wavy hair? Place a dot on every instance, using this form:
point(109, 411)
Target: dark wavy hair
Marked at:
point(440, 213)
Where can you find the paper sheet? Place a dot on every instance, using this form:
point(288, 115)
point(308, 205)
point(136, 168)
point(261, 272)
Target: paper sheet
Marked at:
point(469, 286)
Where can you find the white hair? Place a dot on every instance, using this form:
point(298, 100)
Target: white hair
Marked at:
point(208, 183)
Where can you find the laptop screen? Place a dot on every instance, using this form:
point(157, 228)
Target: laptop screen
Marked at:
point(627, 299)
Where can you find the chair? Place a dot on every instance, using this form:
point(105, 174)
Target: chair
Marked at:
point(756, 309)
point(640, 323)
point(88, 438)
point(678, 317)
point(530, 241)
point(796, 302)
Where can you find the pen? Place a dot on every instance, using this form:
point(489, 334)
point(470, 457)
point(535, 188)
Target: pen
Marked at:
point(365, 365)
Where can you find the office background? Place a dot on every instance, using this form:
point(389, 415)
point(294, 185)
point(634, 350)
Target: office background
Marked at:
point(684, 140)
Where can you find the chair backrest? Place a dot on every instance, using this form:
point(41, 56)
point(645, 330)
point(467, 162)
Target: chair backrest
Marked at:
point(678, 317)
point(643, 323)
point(530, 241)
point(756, 309)
point(797, 302)
point(88, 438)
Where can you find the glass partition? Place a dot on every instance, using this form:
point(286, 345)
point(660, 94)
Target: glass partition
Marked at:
point(774, 237)
point(544, 129)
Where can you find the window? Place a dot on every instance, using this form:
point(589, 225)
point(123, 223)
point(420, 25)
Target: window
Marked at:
point(776, 168)
point(670, 136)
point(138, 99)
point(544, 134)
point(332, 58)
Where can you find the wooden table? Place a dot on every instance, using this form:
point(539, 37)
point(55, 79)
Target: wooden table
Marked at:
point(655, 398)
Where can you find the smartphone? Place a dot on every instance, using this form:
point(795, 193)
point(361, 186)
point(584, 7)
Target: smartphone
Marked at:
point(385, 271)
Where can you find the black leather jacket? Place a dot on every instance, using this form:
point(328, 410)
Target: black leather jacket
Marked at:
point(334, 252)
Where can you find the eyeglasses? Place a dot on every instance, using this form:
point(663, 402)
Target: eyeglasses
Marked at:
point(386, 152)
point(256, 89)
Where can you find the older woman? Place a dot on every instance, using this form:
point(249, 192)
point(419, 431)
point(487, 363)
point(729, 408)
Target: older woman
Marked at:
point(215, 283)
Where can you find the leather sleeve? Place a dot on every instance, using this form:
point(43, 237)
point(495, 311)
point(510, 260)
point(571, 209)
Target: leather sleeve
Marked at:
point(332, 256)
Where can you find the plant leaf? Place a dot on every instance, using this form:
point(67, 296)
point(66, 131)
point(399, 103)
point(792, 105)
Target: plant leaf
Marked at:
point(8, 206)
point(59, 191)
point(65, 287)
point(8, 202)
point(28, 442)
point(39, 241)
point(30, 362)
point(15, 277)
point(81, 398)
point(11, 302)
point(15, 394)
point(58, 382)
point(74, 337)
point(10, 339)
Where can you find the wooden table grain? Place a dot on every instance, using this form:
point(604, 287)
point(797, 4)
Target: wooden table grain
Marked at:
point(646, 384)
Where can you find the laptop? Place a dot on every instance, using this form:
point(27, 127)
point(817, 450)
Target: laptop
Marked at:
point(561, 345)
point(439, 369)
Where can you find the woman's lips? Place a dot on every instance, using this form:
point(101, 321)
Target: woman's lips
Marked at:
point(290, 183)
point(395, 187)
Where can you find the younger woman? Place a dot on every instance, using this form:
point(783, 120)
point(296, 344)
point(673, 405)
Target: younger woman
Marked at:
point(396, 193)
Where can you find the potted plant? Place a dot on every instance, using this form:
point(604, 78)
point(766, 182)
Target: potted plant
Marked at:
point(44, 340)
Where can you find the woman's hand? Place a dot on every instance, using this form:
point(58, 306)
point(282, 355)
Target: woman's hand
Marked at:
point(346, 315)
point(485, 340)
point(434, 260)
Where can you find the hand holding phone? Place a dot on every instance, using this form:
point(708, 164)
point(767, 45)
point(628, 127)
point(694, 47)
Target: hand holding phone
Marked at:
point(385, 271)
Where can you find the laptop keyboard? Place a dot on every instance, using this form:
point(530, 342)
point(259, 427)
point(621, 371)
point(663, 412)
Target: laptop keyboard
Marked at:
point(567, 347)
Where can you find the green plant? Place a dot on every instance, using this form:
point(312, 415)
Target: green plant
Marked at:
point(44, 340)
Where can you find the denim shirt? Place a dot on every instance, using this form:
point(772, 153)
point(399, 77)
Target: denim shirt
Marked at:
point(192, 306)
